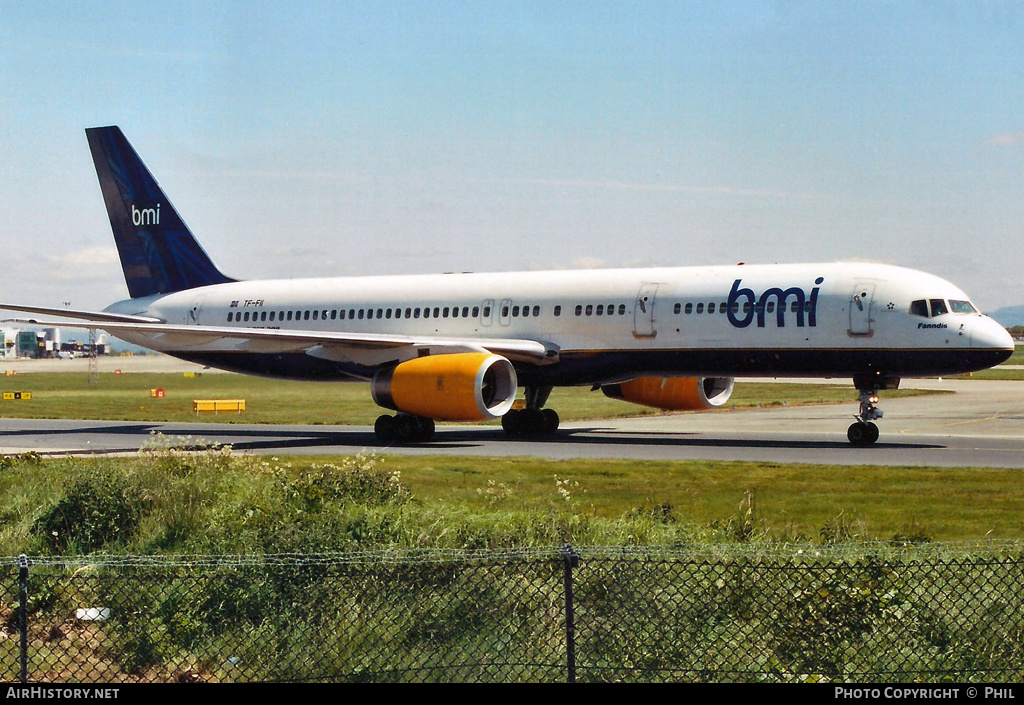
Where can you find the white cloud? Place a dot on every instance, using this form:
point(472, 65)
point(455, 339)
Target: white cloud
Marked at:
point(1007, 140)
point(89, 264)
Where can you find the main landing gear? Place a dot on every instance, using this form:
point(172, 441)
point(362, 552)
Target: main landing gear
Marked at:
point(534, 420)
point(403, 428)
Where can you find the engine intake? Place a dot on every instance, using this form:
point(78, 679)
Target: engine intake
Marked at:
point(673, 393)
point(450, 387)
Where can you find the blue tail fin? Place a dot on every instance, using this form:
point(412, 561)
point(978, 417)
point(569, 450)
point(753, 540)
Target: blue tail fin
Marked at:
point(158, 253)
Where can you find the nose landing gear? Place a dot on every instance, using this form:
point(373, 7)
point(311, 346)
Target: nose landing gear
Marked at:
point(864, 432)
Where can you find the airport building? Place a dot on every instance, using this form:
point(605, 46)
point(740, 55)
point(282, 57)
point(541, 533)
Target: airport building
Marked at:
point(45, 343)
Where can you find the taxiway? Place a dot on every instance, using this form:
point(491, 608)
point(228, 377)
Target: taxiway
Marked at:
point(978, 423)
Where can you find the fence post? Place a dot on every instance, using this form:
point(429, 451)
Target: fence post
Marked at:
point(570, 560)
point(23, 615)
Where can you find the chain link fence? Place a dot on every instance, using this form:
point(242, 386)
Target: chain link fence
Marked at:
point(874, 613)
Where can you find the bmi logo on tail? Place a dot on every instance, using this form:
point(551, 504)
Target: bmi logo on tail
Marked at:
point(146, 216)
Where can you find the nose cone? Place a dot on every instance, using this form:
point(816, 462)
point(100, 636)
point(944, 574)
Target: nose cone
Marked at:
point(987, 334)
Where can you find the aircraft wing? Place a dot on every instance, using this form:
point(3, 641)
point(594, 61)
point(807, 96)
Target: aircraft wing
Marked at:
point(91, 316)
point(359, 347)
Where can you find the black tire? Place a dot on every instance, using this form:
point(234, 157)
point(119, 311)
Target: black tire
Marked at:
point(510, 423)
point(551, 421)
point(862, 434)
point(385, 428)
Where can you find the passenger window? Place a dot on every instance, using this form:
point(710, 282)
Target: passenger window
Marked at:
point(700, 308)
point(536, 311)
point(939, 307)
point(263, 315)
point(590, 309)
point(689, 309)
point(579, 310)
point(515, 312)
point(711, 308)
point(622, 309)
point(465, 312)
point(600, 310)
point(558, 310)
point(677, 308)
point(476, 311)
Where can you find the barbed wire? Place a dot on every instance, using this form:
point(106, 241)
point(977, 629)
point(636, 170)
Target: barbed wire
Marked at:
point(792, 551)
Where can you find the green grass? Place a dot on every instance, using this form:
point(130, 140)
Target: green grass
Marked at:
point(127, 397)
point(999, 373)
point(787, 502)
point(171, 502)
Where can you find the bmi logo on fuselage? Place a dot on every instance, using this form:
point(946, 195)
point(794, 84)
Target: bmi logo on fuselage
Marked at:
point(146, 216)
point(744, 305)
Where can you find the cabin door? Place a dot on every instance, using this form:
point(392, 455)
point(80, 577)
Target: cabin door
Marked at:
point(643, 311)
point(195, 311)
point(861, 301)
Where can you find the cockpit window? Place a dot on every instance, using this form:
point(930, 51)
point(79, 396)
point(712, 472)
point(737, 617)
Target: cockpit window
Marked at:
point(919, 308)
point(962, 307)
point(939, 307)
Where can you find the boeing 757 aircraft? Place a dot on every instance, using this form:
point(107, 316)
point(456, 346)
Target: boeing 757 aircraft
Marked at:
point(456, 347)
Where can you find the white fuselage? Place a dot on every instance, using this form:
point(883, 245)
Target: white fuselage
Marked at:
point(838, 319)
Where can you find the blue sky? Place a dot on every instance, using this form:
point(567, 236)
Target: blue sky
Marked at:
point(334, 138)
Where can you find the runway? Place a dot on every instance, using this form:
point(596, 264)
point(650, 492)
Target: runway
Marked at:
point(979, 424)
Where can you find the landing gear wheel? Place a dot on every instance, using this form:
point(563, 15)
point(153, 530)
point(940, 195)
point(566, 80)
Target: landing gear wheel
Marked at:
point(385, 428)
point(404, 428)
point(551, 420)
point(862, 433)
point(530, 422)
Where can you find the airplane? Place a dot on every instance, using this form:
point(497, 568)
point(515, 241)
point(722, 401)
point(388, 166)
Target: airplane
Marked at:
point(457, 347)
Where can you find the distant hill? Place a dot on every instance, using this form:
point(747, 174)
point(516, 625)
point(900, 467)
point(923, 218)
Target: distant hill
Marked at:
point(1010, 316)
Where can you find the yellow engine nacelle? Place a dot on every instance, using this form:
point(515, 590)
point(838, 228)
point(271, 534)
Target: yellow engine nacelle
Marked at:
point(673, 393)
point(452, 387)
